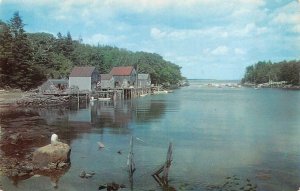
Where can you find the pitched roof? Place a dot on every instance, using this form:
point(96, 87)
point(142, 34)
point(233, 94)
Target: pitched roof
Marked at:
point(85, 71)
point(105, 76)
point(121, 71)
point(143, 76)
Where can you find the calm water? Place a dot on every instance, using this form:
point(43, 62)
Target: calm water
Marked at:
point(216, 133)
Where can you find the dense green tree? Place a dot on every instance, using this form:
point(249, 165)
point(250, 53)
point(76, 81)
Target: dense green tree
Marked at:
point(263, 72)
point(26, 59)
point(6, 56)
point(24, 69)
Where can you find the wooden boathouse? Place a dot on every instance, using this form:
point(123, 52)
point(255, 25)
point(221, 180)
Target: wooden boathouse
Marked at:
point(122, 82)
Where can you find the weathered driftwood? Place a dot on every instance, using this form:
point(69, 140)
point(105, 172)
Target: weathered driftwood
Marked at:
point(130, 161)
point(164, 169)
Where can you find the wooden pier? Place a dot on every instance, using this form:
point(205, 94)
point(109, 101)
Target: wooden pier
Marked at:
point(121, 93)
point(104, 94)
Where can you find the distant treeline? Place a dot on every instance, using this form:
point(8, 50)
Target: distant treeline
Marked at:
point(263, 72)
point(27, 59)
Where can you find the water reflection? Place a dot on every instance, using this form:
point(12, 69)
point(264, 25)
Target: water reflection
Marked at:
point(217, 133)
point(25, 129)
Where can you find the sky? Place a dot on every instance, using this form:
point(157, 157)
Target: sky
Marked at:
point(209, 39)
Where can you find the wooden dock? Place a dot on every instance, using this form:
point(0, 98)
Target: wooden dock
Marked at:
point(104, 94)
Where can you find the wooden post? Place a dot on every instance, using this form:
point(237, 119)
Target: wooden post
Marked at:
point(130, 162)
point(78, 98)
point(86, 99)
point(167, 164)
point(164, 169)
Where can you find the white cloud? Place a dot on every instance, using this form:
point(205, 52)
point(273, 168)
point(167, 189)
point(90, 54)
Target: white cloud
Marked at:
point(110, 8)
point(157, 34)
point(103, 39)
point(296, 28)
point(239, 51)
point(197, 32)
point(220, 50)
point(250, 29)
point(288, 17)
point(184, 34)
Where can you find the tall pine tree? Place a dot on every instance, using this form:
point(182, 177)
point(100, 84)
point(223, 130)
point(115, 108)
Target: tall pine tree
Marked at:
point(6, 57)
point(22, 54)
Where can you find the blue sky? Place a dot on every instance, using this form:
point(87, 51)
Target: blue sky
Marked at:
point(209, 39)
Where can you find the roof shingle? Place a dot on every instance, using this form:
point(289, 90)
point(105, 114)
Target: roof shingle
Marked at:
point(121, 71)
point(85, 71)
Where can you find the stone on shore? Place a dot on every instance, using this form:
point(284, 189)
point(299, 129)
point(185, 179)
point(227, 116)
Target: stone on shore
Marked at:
point(52, 156)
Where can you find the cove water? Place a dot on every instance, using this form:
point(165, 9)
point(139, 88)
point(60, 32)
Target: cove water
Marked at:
point(251, 135)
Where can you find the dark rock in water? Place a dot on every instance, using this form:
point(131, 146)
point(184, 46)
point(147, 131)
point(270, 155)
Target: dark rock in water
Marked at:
point(111, 186)
point(101, 187)
point(84, 174)
point(52, 156)
point(233, 183)
point(88, 175)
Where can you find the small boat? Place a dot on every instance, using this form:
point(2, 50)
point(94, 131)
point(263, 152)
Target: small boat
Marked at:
point(101, 145)
point(92, 98)
point(104, 99)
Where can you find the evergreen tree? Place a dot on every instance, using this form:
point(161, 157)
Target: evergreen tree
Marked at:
point(22, 54)
point(6, 57)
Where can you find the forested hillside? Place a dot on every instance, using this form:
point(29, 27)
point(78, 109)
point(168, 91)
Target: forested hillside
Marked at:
point(27, 59)
point(263, 72)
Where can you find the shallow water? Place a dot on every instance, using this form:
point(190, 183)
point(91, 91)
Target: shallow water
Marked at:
point(217, 134)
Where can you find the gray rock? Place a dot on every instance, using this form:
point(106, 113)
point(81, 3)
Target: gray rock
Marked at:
point(27, 168)
point(50, 156)
point(62, 165)
point(82, 174)
point(14, 138)
point(88, 175)
point(22, 174)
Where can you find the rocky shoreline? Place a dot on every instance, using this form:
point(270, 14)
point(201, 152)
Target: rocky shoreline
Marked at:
point(18, 144)
point(40, 100)
point(272, 85)
point(31, 99)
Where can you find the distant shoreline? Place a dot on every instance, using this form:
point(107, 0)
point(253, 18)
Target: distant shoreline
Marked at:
point(285, 86)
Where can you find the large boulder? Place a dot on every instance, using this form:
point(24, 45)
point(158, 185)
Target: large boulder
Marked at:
point(52, 156)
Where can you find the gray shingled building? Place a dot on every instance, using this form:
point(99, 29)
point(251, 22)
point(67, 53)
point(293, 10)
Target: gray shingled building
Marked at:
point(85, 78)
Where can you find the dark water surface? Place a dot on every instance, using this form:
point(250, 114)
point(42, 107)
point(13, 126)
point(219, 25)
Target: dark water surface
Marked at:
point(218, 134)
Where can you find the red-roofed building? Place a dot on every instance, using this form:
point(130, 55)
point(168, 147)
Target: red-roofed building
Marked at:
point(124, 76)
point(85, 78)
